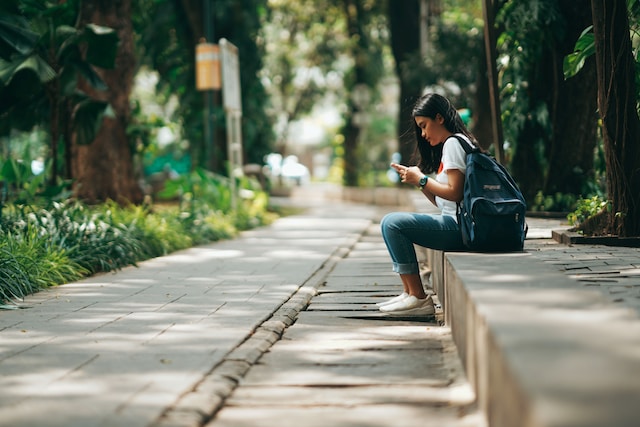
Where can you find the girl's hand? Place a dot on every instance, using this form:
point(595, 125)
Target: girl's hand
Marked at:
point(399, 168)
point(408, 175)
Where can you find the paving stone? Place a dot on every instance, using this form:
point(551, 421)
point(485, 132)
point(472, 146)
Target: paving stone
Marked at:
point(344, 363)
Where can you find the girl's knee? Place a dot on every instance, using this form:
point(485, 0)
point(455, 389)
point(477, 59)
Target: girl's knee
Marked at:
point(391, 220)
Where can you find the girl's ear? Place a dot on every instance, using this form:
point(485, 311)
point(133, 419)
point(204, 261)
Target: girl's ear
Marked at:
point(439, 118)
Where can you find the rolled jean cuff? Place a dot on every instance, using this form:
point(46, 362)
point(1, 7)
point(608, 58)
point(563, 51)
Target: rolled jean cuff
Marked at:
point(406, 268)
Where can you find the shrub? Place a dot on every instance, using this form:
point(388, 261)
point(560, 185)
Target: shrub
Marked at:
point(42, 246)
point(29, 262)
point(587, 208)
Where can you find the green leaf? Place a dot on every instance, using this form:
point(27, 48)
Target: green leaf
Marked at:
point(15, 172)
point(14, 32)
point(68, 81)
point(90, 75)
point(68, 38)
point(102, 45)
point(87, 119)
point(33, 63)
point(584, 48)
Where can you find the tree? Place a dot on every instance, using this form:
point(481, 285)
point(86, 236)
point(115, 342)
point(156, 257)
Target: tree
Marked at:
point(620, 124)
point(546, 119)
point(366, 51)
point(572, 104)
point(104, 169)
point(404, 25)
point(303, 41)
point(41, 62)
point(439, 47)
point(169, 31)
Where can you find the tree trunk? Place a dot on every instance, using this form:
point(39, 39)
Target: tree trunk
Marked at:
point(404, 26)
point(558, 159)
point(355, 22)
point(617, 105)
point(526, 167)
point(482, 116)
point(489, 14)
point(104, 169)
point(573, 111)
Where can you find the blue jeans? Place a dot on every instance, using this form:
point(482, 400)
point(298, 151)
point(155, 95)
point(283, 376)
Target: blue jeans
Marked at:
point(401, 230)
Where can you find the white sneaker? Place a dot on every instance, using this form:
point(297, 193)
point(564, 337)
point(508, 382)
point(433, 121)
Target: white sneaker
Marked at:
point(410, 306)
point(393, 300)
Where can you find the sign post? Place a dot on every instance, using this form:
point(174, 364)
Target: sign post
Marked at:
point(232, 102)
point(207, 81)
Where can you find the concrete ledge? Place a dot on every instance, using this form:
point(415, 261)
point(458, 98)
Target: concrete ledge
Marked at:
point(571, 238)
point(380, 196)
point(400, 198)
point(540, 350)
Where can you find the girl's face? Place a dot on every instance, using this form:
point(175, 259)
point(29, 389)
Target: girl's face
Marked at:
point(432, 130)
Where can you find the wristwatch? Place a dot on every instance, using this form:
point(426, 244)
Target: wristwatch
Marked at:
point(423, 181)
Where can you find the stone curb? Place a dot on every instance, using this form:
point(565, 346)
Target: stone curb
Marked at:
point(198, 406)
point(567, 237)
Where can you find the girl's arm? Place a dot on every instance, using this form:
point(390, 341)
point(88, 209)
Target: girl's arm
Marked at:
point(453, 190)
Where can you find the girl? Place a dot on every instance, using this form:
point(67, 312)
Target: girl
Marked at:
point(437, 151)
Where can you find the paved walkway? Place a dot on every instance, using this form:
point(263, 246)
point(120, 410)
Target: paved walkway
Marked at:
point(219, 336)
point(344, 364)
point(119, 349)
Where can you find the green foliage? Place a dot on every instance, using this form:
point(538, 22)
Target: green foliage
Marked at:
point(42, 58)
point(529, 28)
point(585, 47)
point(21, 186)
point(451, 65)
point(205, 197)
point(45, 65)
point(303, 43)
point(29, 262)
point(587, 208)
point(199, 186)
point(165, 43)
point(64, 241)
point(553, 203)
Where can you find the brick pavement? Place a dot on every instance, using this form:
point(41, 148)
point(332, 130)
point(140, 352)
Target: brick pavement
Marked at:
point(613, 271)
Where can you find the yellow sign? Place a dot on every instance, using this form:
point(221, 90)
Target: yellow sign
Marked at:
point(208, 67)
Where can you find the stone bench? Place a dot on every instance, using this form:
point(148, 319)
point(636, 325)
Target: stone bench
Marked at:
point(539, 348)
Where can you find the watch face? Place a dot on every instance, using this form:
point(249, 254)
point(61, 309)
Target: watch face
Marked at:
point(423, 180)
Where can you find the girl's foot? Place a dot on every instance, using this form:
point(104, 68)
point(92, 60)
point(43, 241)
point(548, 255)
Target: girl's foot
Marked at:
point(393, 300)
point(410, 306)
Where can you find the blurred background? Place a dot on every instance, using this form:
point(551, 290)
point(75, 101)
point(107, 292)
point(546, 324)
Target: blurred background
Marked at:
point(100, 100)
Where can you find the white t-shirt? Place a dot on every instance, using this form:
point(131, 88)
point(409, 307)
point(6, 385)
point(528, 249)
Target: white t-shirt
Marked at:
point(453, 157)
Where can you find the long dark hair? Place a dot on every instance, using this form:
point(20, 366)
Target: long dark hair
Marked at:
point(428, 157)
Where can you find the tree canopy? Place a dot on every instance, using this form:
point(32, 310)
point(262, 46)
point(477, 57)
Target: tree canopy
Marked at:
point(569, 105)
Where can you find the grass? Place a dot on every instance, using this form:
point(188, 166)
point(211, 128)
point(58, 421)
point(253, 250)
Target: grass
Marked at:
point(61, 242)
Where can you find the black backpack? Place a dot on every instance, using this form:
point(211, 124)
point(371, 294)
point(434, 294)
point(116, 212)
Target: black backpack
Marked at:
point(492, 212)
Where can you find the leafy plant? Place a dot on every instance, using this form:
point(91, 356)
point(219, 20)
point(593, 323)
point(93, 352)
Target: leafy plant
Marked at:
point(553, 203)
point(42, 59)
point(587, 208)
point(584, 48)
point(23, 187)
point(29, 261)
point(58, 242)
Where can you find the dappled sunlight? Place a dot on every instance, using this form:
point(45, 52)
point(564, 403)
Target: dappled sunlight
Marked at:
point(116, 386)
point(297, 254)
point(129, 342)
point(28, 384)
point(315, 225)
point(199, 255)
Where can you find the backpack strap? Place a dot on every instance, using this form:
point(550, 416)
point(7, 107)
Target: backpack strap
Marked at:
point(465, 144)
